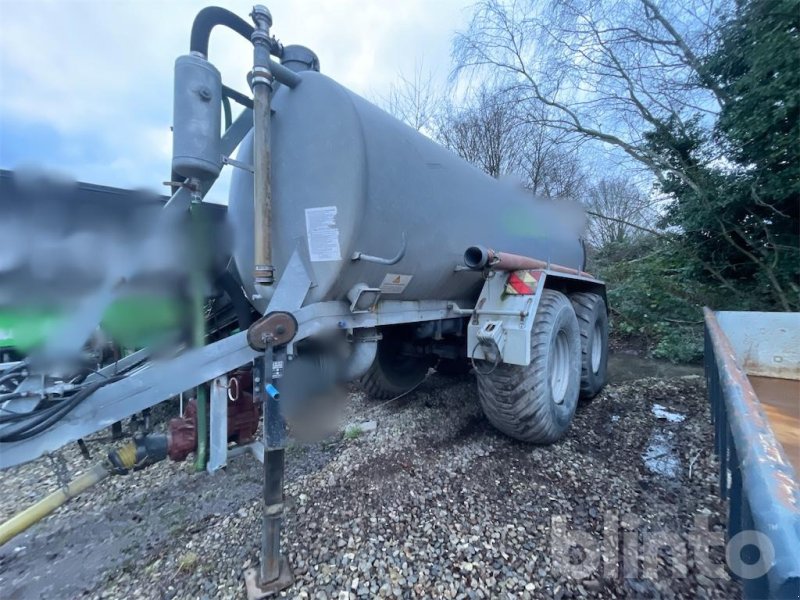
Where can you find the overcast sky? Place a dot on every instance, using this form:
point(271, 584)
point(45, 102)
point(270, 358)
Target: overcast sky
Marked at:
point(86, 85)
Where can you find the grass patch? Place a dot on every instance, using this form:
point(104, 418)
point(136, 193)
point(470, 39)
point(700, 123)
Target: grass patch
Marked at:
point(187, 562)
point(353, 432)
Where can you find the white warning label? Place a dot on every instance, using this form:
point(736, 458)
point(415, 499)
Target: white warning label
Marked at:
point(323, 234)
point(394, 283)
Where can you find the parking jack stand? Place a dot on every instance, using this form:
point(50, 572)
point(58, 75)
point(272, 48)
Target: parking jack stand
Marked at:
point(273, 574)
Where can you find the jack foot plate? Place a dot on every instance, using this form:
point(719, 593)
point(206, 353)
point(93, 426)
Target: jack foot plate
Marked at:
point(257, 591)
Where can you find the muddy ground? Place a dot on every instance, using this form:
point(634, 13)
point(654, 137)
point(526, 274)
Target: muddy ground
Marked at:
point(434, 504)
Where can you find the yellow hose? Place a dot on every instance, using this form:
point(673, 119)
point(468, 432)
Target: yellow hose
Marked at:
point(33, 514)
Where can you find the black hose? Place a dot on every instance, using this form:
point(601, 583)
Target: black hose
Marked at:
point(47, 407)
point(226, 107)
point(46, 418)
point(13, 416)
point(210, 17)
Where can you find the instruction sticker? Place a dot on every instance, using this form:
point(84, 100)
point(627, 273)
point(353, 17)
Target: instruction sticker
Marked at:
point(394, 283)
point(277, 369)
point(323, 234)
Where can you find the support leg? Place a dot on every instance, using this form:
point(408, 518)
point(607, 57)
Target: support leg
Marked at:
point(274, 573)
point(218, 426)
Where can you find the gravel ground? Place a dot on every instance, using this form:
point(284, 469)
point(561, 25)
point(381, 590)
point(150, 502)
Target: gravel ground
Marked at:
point(434, 504)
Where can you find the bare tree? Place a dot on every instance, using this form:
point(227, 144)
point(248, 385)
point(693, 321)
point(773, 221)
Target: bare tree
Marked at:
point(551, 163)
point(612, 71)
point(413, 100)
point(619, 211)
point(608, 70)
point(493, 134)
point(483, 133)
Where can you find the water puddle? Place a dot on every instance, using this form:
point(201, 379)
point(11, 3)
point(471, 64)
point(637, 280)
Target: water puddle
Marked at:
point(662, 412)
point(626, 367)
point(660, 456)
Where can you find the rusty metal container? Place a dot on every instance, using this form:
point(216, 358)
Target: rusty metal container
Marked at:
point(753, 375)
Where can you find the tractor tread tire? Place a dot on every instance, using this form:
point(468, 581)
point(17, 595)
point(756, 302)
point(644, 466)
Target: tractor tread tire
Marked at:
point(517, 399)
point(589, 308)
point(388, 378)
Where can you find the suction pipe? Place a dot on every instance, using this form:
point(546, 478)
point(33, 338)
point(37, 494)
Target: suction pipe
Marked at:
point(261, 82)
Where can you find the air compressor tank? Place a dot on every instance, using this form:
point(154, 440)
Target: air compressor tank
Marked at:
point(349, 178)
point(197, 113)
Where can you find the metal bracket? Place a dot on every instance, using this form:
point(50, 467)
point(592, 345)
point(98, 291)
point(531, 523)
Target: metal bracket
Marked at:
point(501, 323)
point(238, 164)
point(363, 298)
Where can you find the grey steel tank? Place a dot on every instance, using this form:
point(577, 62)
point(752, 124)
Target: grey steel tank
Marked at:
point(348, 178)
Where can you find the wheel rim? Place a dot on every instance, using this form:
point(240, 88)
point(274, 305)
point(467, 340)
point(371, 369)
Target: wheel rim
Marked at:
point(597, 347)
point(559, 367)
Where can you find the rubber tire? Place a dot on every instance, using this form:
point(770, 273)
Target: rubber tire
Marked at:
point(591, 309)
point(451, 367)
point(518, 400)
point(392, 374)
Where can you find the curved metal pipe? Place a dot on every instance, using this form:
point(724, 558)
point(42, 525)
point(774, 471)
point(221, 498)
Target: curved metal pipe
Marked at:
point(210, 17)
point(365, 348)
point(284, 75)
point(384, 261)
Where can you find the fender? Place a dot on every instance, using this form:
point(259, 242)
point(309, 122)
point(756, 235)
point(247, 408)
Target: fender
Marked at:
point(499, 330)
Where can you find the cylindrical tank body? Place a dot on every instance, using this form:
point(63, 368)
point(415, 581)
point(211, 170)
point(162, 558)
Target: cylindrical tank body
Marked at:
point(348, 177)
point(196, 118)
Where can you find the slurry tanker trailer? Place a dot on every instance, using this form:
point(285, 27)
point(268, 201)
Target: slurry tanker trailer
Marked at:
point(357, 250)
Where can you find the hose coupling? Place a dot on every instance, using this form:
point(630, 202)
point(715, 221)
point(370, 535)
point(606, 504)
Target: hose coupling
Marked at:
point(261, 36)
point(264, 274)
point(142, 452)
point(260, 75)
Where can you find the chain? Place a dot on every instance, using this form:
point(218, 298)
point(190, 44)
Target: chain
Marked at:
point(60, 469)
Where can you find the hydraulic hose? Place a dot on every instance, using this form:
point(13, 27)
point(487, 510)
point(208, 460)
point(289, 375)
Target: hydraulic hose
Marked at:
point(38, 421)
point(134, 455)
point(210, 17)
point(33, 514)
